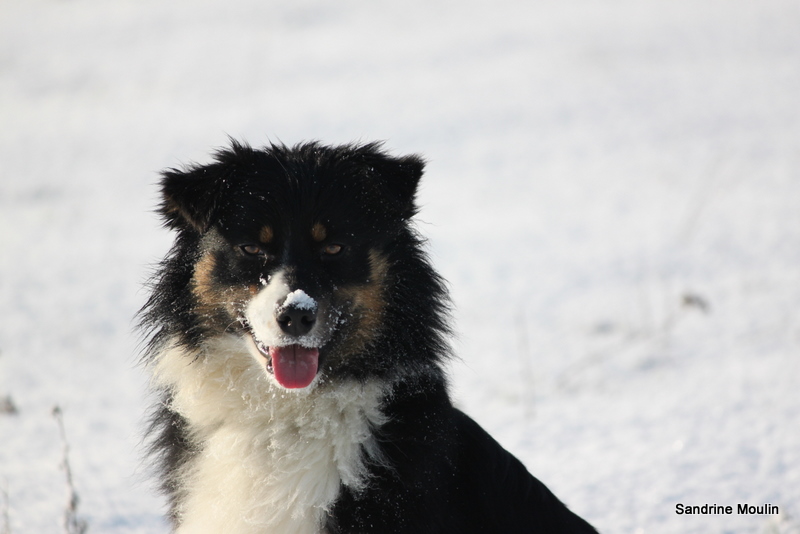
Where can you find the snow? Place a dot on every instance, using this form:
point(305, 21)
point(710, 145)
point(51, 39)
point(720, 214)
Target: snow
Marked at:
point(612, 193)
point(300, 300)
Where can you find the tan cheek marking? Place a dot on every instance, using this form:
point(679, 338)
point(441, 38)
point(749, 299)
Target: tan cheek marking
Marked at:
point(203, 277)
point(266, 234)
point(368, 303)
point(217, 304)
point(319, 232)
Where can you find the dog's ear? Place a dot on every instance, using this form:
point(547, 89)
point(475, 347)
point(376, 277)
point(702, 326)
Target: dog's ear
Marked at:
point(404, 181)
point(189, 198)
point(398, 178)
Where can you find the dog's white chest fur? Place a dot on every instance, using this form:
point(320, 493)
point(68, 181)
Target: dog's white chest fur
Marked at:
point(271, 460)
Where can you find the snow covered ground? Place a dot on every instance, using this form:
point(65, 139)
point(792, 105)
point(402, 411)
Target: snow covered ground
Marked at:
point(613, 193)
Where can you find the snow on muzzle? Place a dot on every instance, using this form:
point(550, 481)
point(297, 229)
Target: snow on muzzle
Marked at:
point(287, 335)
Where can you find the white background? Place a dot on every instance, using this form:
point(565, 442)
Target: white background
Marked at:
point(613, 193)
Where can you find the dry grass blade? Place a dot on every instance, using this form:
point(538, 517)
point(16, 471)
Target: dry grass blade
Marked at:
point(72, 523)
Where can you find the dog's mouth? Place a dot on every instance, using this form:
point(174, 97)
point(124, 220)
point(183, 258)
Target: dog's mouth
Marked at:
point(294, 366)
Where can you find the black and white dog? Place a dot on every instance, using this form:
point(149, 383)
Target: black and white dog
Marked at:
point(296, 335)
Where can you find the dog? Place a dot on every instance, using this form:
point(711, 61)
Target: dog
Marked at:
point(296, 334)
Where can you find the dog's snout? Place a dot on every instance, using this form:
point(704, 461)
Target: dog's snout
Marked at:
point(296, 321)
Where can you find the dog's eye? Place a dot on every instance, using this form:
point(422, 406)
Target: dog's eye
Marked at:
point(332, 249)
point(251, 250)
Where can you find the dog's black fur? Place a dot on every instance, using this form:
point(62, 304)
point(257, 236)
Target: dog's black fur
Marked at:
point(438, 472)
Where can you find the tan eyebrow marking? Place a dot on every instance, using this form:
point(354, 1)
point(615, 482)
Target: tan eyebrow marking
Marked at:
point(266, 234)
point(318, 232)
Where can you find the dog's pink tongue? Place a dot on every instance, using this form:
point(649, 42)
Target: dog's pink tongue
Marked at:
point(294, 366)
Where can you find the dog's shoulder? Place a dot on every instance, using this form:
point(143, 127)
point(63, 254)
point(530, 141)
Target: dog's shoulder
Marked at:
point(445, 474)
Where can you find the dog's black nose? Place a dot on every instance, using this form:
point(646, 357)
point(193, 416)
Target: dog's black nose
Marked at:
point(296, 321)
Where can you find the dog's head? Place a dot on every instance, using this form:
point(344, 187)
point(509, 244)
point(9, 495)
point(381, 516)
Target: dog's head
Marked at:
point(291, 248)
